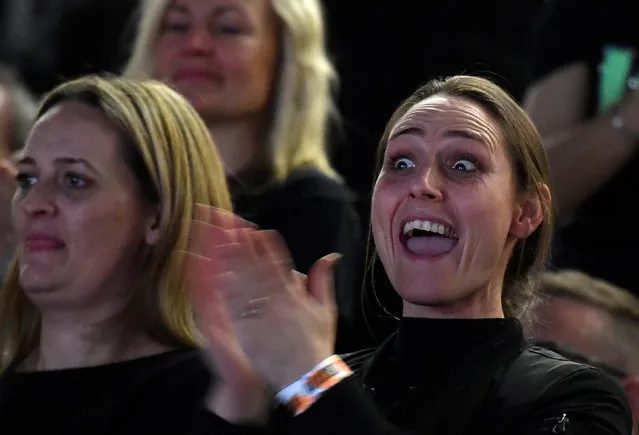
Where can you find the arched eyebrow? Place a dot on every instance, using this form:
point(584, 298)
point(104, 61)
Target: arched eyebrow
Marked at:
point(453, 133)
point(29, 161)
point(218, 11)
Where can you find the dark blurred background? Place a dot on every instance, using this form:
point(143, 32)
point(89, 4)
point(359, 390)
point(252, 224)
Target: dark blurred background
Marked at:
point(382, 50)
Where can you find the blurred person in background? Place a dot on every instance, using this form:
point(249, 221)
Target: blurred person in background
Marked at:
point(259, 75)
point(97, 334)
point(49, 42)
point(17, 112)
point(584, 99)
point(18, 108)
point(593, 318)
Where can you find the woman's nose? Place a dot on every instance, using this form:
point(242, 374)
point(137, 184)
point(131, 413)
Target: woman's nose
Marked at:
point(200, 41)
point(428, 183)
point(38, 201)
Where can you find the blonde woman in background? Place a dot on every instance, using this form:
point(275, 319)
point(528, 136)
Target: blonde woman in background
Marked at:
point(96, 330)
point(259, 75)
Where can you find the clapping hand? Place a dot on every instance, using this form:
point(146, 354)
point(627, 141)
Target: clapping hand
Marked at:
point(265, 324)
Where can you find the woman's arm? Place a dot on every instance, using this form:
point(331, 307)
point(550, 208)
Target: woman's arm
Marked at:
point(584, 154)
point(584, 149)
point(344, 409)
point(586, 402)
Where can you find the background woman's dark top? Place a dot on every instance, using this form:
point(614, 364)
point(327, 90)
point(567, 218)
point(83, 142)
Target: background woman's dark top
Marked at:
point(162, 394)
point(443, 376)
point(315, 215)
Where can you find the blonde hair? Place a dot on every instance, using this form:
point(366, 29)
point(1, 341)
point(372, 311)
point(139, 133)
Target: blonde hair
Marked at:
point(171, 153)
point(297, 134)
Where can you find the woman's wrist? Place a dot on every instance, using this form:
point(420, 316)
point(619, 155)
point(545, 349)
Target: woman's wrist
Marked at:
point(619, 124)
point(244, 409)
point(303, 393)
point(623, 117)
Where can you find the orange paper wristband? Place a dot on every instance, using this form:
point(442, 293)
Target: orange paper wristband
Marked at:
point(300, 395)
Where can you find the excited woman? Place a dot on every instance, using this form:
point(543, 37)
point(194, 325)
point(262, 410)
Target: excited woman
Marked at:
point(461, 220)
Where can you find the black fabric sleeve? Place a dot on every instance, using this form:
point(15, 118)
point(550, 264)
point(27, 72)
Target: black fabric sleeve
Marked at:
point(593, 404)
point(181, 418)
point(569, 32)
point(194, 422)
point(207, 423)
point(175, 405)
point(345, 409)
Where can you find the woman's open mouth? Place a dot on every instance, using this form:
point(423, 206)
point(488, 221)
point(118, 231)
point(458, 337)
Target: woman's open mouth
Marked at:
point(426, 238)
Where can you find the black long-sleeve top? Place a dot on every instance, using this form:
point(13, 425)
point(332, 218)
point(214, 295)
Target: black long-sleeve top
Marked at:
point(162, 394)
point(440, 377)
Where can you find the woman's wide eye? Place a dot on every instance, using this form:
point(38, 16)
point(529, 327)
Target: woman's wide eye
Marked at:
point(402, 163)
point(464, 165)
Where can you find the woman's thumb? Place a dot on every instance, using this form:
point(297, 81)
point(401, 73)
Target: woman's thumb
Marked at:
point(321, 283)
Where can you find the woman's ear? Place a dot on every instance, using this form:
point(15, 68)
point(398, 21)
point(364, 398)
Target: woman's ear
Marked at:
point(529, 212)
point(152, 228)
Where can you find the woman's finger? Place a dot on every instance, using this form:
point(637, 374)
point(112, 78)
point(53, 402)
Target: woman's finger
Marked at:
point(274, 254)
point(220, 218)
point(321, 282)
point(204, 238)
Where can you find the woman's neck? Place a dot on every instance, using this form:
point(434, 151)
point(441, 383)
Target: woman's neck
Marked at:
point(237, 143)
point(70, 344)
point(484, 303)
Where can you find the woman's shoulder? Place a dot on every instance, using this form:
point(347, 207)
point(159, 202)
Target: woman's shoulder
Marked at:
point(133, 393)
point(542, 387)
point(540, 362)
point(548, 368)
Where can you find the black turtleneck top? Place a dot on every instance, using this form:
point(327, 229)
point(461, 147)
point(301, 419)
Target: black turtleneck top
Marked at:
point(462, 376)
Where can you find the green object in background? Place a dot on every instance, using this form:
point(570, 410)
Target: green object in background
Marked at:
point(614, 74)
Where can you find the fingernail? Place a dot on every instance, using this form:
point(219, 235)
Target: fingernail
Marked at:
point(336, 257)
point(200, 213)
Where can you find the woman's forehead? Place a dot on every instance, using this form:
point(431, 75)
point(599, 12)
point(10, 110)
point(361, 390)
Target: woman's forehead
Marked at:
point(443, 107)
point(441, 115)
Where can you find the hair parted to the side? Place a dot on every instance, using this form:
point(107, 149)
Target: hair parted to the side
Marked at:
point(170, 151)
point(530, 164)
point(301, 100)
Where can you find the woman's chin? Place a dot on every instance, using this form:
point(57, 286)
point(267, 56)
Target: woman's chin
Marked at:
point(441, 298)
